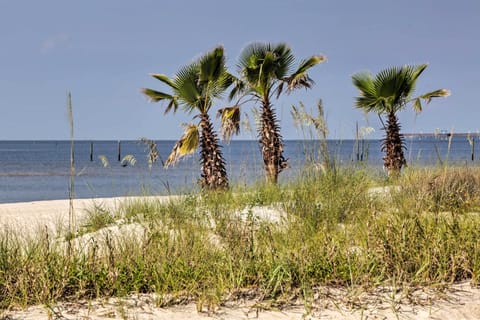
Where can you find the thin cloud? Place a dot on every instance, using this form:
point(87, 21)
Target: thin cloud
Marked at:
point(57, 41)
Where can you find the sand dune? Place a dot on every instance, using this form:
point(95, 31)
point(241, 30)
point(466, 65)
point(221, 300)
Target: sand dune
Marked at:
point(461, 301)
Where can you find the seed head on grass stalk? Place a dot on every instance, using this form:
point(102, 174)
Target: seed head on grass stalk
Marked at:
point(304, 119)
point(71, 186)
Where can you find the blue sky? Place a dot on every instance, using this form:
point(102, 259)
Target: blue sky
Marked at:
point(103, 52)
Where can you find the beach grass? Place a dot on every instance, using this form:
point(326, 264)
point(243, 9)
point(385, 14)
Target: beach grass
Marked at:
point(346, 227)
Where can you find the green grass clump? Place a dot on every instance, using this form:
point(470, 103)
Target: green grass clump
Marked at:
point(453, 189)
point(331, 230)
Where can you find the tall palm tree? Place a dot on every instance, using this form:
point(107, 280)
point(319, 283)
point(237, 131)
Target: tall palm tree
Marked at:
point(194, 87)
point(265, 71)
point(387, 93)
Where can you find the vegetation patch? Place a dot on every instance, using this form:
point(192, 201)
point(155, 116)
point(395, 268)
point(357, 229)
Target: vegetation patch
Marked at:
point(219, 245)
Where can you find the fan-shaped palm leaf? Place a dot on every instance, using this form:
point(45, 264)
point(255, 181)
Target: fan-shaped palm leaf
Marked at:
point(187, 90)
point(392, 87)
point(367, 98)
point(389, 91)
point(261, 64)
point(216, 89)
point(211, 66)
point(284, 60)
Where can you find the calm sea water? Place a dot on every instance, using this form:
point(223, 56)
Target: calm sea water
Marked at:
point(39, 170)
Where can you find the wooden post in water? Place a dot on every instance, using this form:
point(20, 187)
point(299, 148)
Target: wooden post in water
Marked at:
point(357, 141)
point(362, 148)
point(119, 151)
point(91, 151)
point(473, 149)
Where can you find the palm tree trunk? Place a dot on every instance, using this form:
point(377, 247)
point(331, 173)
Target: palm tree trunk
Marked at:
point(393, 146)
point(213, 172)
point(271, 143)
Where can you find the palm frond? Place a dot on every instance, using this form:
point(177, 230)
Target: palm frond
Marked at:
point(157, 96)
point(239, 87)
point(187, 90)
point(417, 105)
point(367, 99)
point(418, 70)
point(263, 64)
point(249, 56)
point(217, 88)
point(230, 79)
point(202, 81)
point(187, 144)
point(435, 94)
point(284, 60)
point(165, 79)
point(390, 90)
point(300, 78)
point(230, 121)
point(417, 102)
point(306, 64)
point(392, 86)
point(172, 104)
point(211, 65)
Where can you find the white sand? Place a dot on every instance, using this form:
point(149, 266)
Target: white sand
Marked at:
point(461, 302)
point(54, 214)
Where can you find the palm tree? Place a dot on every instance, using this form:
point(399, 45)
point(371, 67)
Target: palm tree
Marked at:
point(387, 93)
point(265, 70)
point(194, 88)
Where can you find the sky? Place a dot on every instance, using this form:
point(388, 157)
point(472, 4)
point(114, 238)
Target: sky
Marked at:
point(102, 51)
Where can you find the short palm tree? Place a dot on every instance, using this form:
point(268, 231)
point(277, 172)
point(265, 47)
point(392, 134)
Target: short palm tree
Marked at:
point(387, 93)
point(265, 71)
point(194, 88)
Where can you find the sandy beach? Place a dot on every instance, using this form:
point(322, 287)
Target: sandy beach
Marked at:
point(54, 213)
point(460, 301)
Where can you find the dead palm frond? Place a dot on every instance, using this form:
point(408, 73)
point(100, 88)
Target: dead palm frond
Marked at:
point(187, 144)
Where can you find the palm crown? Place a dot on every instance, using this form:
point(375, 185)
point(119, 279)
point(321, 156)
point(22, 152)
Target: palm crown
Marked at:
point(391, 89)
point(196, 85)
point(265, 69)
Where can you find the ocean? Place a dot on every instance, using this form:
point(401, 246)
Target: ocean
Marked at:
point(39, 170)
